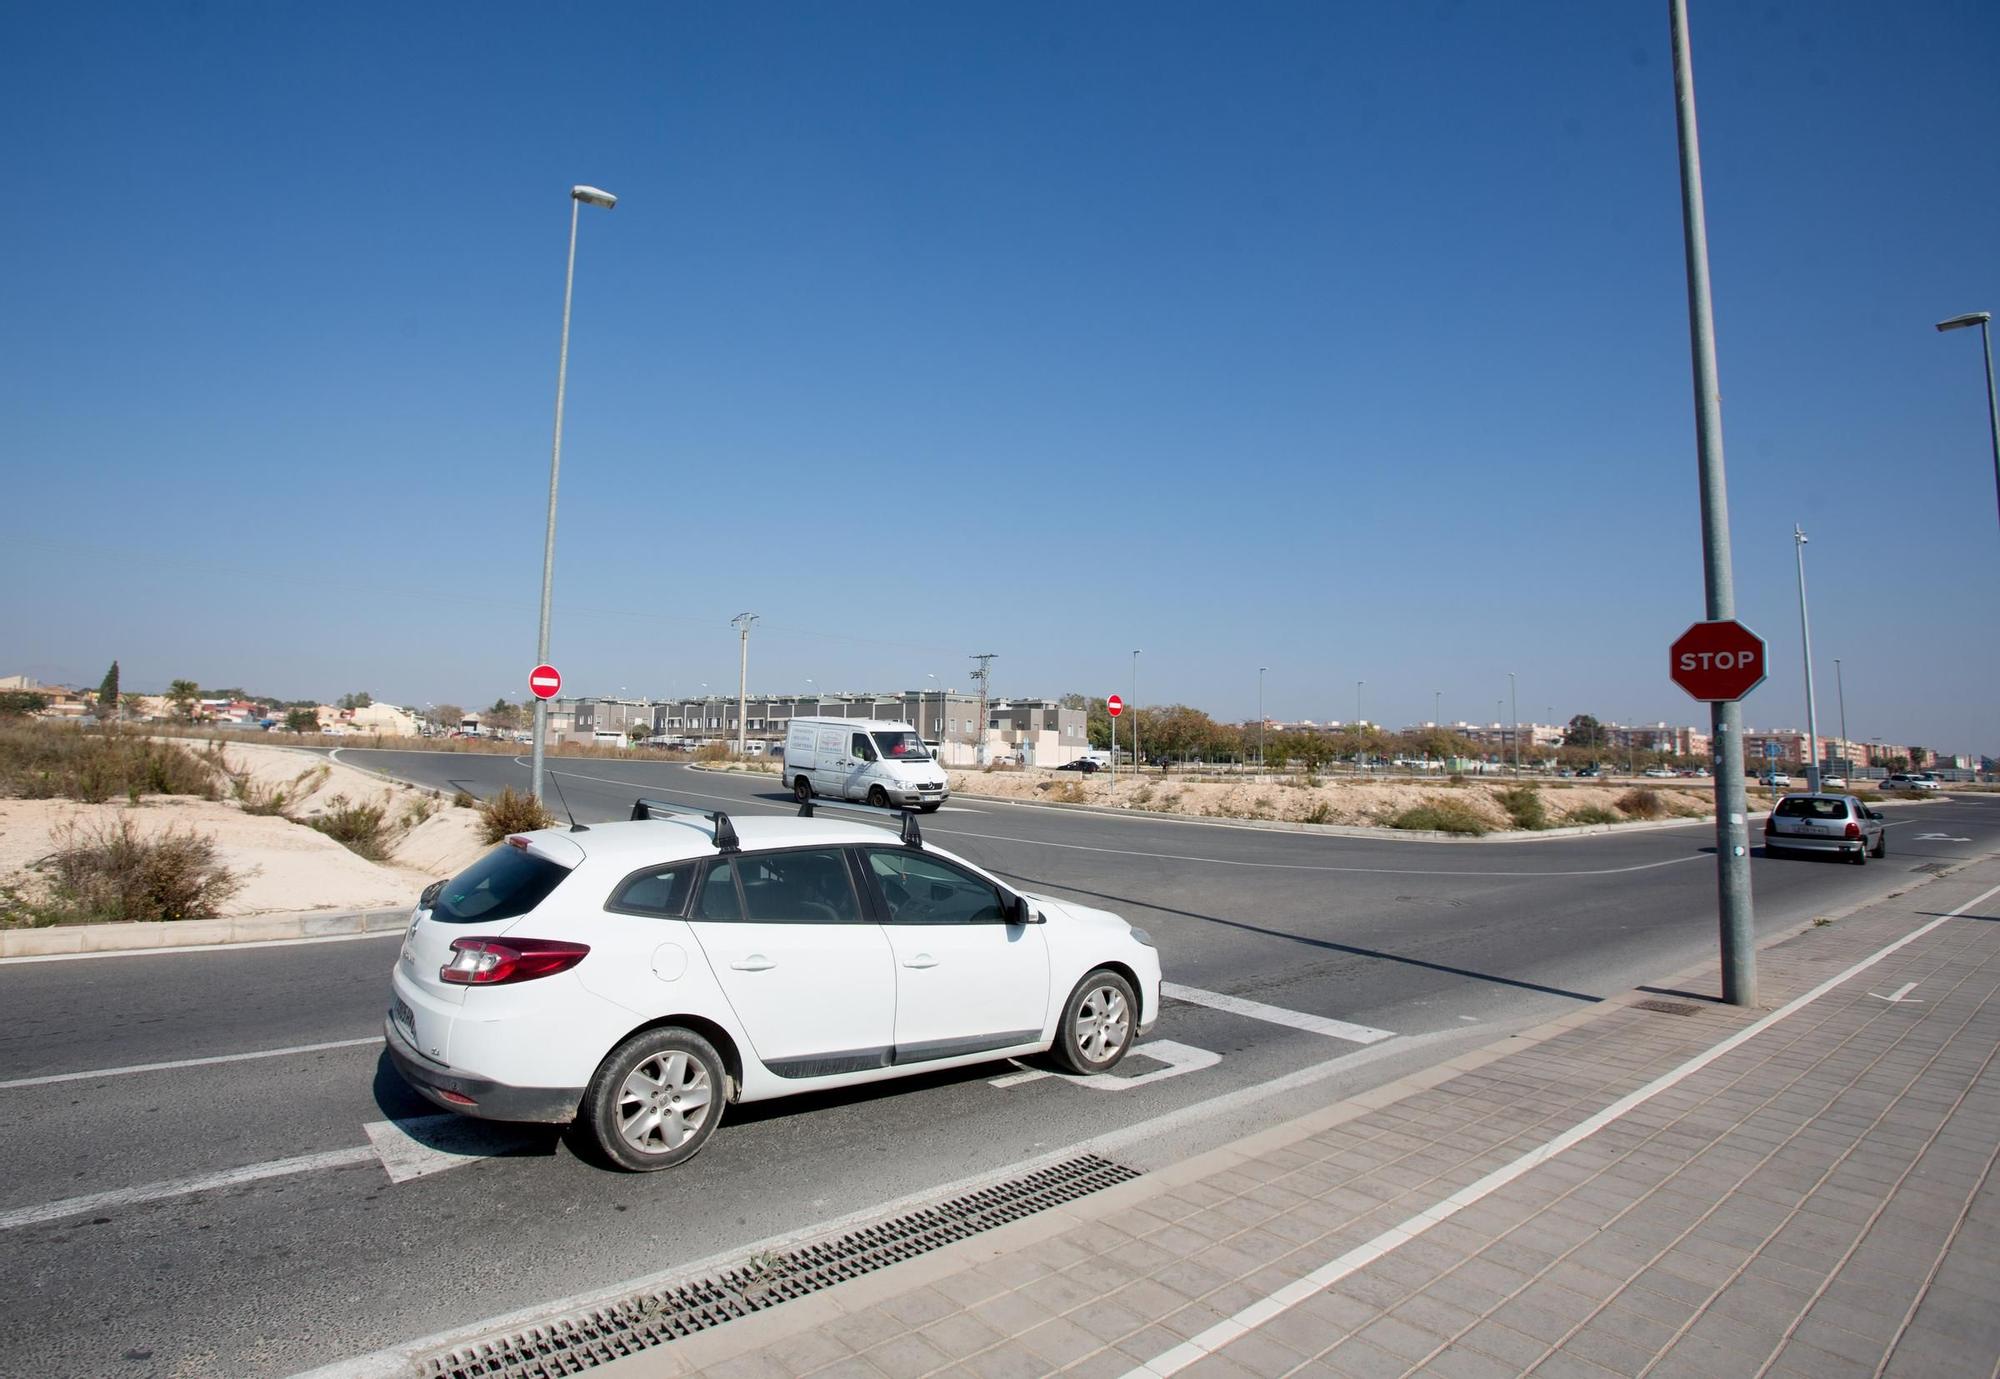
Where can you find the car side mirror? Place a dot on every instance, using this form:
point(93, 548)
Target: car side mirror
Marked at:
point(1021, 912)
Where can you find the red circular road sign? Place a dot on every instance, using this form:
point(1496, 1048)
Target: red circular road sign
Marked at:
point(1114, 706)
point(1717, 661)
point(545, 682)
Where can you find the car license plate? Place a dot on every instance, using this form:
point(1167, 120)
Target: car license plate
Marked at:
point(1810, 828)
point(404, 1016)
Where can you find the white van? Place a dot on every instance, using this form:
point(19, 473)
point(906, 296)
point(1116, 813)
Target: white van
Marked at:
point(862, 759)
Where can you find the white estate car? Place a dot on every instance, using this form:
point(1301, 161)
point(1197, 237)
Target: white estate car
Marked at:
point(1900, 781)
point(635, 976)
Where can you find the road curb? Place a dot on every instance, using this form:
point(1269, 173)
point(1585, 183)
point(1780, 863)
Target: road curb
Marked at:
point(72, 939)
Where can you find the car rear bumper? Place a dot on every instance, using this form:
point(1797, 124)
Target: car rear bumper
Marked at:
point(483, 1098)
point(1795, 842)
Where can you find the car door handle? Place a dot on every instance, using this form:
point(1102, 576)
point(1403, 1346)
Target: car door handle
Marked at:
point(756, 962)
point(920, 960)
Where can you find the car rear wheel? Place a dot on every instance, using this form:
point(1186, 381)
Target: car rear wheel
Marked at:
point(1098, 1023)
point(802, 790)
point(654, 1100)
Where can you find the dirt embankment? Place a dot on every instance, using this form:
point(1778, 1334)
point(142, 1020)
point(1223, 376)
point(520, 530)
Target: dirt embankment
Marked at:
point(285, 864)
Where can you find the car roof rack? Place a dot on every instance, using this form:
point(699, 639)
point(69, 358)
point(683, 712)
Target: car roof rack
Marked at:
point(725, 831)
point(912, 835)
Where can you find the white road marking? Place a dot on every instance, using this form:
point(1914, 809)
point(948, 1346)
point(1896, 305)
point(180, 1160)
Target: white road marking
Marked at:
point(1938, 838)
point(183, 1187)
point(202, 947)
point(422, 1145)
point(1275, 1304)
point(1179, 1058)
point(1276, 1015)
point(52, 1078)
point(1902, 994)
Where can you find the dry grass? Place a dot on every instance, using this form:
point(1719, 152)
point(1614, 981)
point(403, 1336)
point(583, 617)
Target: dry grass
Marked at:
point(511, 812)
point(109, 873)
point(1441, 816)
point(51, 761)
point(1640, 804)
point(363, 829)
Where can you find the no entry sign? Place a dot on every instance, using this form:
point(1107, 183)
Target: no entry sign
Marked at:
point(1717, 661)
point(1114, 706)
point(545, 682)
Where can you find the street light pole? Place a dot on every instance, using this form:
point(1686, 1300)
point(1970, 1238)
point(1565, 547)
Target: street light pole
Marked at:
point(1514, 712)
point(577, 197)
point(1260, 716)
point(1732, 830)
point(1805, 636)
point(1846, 764)
point(743, 623)
point(1357, 725)
point(1138, 766)
point(1984, 320)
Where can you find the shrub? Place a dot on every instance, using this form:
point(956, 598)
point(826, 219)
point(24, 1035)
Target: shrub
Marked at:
point(1066, 792)
point(1142, 794)
point(44, 763)
point(463, 800)
point(360, 828)
point(1592, 814)
point(418, 810)
point(109, 873)
point(1441, 816)
point(1321, 813)
point(711, 752)
point(1640, 804)
point(1455, 779)
point(509, 812)
point(253, 798)
point(1524, 806)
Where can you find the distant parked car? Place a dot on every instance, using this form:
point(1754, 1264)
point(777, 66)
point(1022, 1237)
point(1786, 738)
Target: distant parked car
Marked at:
point(1658, 773)
point(1083, 764)
point(1590, 773)
point(1826, 823)
point(1916, 784)
point(1776, 780)
point(1836, 784)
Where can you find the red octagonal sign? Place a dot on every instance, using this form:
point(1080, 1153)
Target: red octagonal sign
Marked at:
point(1717, 661)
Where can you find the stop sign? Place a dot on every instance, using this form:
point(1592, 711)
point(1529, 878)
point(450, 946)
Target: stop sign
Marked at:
point(1717, 661)
point(545, 682)
point(1114, 706)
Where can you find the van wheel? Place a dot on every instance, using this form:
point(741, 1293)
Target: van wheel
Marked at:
point(878, 797)
point(802, 790)
point(654, 1100)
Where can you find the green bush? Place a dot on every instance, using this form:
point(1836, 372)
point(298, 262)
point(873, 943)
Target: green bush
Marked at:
point(1592, 814)
point(509, 812)
point(1321, 813)
point(109, 873)
point(40, 762)
point(1441, 816)
point(1640, 804)
point(1524, 806)
point(362, 829)
point(463, 800)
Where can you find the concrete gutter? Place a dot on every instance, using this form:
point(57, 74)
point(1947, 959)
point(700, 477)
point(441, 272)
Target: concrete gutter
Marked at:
point(197, 933)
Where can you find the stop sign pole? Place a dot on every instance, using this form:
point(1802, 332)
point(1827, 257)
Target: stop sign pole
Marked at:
point(1732, 830)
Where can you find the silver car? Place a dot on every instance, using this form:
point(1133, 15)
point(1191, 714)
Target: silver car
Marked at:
point(1826, 823)
point(1909, 783)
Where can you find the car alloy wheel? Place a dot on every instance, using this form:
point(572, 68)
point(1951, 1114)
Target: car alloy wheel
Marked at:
point(1098, 1023)
point(654, 1100)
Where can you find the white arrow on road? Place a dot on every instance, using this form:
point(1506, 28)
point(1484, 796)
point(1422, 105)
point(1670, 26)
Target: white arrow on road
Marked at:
point(1902, 995)
point(1940, 838)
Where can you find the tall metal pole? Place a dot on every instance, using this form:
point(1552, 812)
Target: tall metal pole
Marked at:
point(1846, 765)
point(1357, 725)
point(1260, 716)
point(743, 623)
point(1732, 830)
point(1805, 636)
point(1514, 712)
point(555, 472)
point(1992, 407)
point(1138, 765)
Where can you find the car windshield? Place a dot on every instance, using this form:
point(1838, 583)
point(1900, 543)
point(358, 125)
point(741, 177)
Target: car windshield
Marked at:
point(1811, 807)
point(901, 747)
point(506, 882)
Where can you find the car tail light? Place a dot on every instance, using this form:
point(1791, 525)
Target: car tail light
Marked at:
point(1853, 829)
point(494, 961)
point(1770, 823)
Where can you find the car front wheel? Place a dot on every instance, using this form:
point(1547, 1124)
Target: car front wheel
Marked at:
point(654, 1100)
point(802, 790)
point(1881, 844)
point(1098, 1023)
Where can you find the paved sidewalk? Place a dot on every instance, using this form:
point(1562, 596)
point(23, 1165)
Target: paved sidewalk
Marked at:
point(1802, 1190)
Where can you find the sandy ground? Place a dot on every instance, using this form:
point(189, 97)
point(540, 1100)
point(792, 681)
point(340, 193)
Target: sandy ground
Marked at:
point(1362, 803)
point(285, 866)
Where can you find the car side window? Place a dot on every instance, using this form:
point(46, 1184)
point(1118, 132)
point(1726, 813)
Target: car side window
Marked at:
point(923, 890)
point(810, 886)
point(718, 894)
point(658, 891)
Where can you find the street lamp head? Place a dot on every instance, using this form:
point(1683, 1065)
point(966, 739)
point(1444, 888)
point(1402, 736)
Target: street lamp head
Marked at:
point(594, 196)
point(1971, 318)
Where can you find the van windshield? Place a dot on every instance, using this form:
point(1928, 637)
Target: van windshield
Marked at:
point(901, 747)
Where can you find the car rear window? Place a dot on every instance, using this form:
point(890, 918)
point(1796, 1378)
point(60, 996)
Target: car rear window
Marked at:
point(505, 883)
point(1811, 807)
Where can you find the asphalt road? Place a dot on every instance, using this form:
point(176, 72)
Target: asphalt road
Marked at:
point(326, 1256)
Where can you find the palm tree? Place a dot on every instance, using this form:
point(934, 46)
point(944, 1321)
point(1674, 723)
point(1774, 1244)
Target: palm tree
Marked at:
point(182, 694)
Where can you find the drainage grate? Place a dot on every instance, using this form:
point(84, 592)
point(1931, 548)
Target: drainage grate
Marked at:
point(644, 1320)
point(1667, 1007)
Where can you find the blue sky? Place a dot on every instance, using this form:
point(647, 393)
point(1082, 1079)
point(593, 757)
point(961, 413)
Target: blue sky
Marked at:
point(1346, 340)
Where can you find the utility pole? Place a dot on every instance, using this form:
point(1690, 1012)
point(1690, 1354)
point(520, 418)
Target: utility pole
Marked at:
point(1846, 762)
point(985, 659)
point(743, 623)
point(1732, 830)
point(1805, 636)
point(1138, 764)
point(1514, 710)
point(1260, 716)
